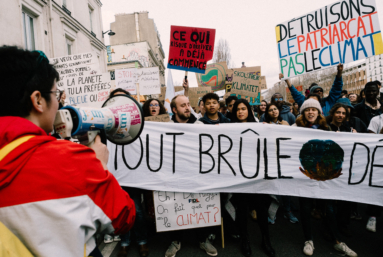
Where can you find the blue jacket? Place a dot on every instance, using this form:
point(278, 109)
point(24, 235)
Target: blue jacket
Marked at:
point(327, 102)
point(286, 115)
point(222, 119)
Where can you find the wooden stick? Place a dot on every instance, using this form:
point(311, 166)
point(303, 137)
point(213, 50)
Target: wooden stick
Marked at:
point(223, 239)
point(186, 76)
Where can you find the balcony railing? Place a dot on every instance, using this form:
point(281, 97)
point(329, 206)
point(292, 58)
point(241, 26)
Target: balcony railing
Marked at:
point(66, 10)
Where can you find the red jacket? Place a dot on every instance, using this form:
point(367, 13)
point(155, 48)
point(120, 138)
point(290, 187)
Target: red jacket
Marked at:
point(55, 194)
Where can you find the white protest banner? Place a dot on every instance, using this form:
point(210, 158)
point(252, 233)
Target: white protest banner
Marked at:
point(176, 211)
point(75, 65)
point(126, 79)
point(252, 158)
point(149, 81)
point(90, 90)
point(342, 32)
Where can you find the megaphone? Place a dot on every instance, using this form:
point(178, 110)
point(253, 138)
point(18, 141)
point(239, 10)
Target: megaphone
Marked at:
point(120, 119)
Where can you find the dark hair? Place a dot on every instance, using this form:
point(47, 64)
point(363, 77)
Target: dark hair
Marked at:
point(371, 84)
point(119, 90)
point(295, 110)
point(344, 92)
point(315, 95)
point(222, 104)
point(334, 109)
point(210, 96)
point(259, 112)
point(313, 84)
point(22, 72)
point(146, 108)
point(360, 95)
point(378, 82)
point(267, 116)
point(230, 98)
point(250, 116)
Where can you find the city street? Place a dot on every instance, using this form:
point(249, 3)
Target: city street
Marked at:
point(286, 238)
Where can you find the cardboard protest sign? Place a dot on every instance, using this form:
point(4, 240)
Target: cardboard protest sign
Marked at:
point(214, 77)
point(259, 158)
point(195, 93)
point(342, 32)
point(263, 82)
point(176, 211)
point(290, 98)
point(158, 118)
point(246, 84)
point(178, 88)
point(126, 79)
point(149, 80)
point(75, 65)
point(190, 48)
point(90, 90)
point(161, 97)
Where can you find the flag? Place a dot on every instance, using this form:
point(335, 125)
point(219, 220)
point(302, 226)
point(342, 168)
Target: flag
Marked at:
point(169, 92)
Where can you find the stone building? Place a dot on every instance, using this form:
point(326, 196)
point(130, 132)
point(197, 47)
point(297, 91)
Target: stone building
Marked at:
point(375, 68)
point(136, 44)
point(58, 28)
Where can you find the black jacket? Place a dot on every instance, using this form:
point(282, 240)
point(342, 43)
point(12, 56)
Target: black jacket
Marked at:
point(365, 113)
point(222, 119)
point(191, 120)
point(343, 128)
point(357, 124)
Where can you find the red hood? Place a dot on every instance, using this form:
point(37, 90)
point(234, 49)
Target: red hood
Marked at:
point(12, 128)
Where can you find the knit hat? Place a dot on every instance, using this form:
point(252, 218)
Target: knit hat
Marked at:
point(311, 103)
point(314, 88)
point(345, 101)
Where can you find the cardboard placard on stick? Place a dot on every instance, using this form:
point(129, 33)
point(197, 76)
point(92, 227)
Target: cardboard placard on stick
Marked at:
point(159, 118)
point(178, 88)
point(246, 84)
point(161, 97)
point(195, 93)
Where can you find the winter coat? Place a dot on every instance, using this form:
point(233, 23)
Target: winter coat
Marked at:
point(222, 119)
point(365, 113)
point(285, 114)
point(192, 120)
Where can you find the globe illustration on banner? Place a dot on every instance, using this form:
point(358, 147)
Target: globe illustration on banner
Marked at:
point(321, 159)
point(214, 77)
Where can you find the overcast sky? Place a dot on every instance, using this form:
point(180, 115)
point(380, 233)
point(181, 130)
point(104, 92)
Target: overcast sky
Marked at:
point(247, 25)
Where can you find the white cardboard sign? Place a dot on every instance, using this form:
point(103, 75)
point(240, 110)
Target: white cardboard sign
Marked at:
point(149, 81)
point(176, 211)
point(127, 79)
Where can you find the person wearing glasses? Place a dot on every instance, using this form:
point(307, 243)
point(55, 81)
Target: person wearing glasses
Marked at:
point(327, 102)
point(153, 107)
point(284, 109)
point(51, 185)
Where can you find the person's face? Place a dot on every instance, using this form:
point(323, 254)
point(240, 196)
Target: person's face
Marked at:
point(223, 110)
point(278, 100)
point(371, 93)
point(49, 112)
point(154, 108)
point(319, 91)
point(339, 115)
point(363, 95)
point(311, 114)
point(182, 109)
point(291, 109)
point(211, 106)
point(262, 107)
point(63, 96)
point(242, 112)
point(230, 106)
point(296, 105)
point(273, 112)
point(352, 98)
point(202, 108)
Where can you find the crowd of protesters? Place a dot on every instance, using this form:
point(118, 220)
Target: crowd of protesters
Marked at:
point(29, 109)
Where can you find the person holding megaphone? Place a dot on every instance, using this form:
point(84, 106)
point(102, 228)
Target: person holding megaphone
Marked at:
point(55, 195)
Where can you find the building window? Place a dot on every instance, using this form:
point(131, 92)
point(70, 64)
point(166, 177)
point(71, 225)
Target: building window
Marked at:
point(64, 3)
point(29, 32)
point(91, 18)
point(69, 46)
point(370, 67)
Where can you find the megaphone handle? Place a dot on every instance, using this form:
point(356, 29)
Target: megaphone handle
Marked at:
point(103, 136)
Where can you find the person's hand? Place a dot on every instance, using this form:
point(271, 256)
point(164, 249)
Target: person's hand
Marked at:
point(102, 152)
point(340, 70)
point(186, 84)
point(354, 131)
point(280, 76)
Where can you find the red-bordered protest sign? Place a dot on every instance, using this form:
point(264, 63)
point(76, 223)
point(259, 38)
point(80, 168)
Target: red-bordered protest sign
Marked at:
point(190, 48)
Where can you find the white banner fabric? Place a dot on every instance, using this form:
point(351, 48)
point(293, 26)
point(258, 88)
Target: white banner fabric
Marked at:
point(176, 211)
point(252, 158)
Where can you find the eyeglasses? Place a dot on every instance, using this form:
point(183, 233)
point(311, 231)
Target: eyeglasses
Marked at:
point(278, 99)
point(318, 90)
point(57, 92)
point(153, 105)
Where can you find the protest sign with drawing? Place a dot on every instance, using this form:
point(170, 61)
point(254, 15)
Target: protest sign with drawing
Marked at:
point(90, 90)
point(75, 65)
point(190, 48)
point(342, 32)
point(214, 77)
point(149, 81)
point(126, 79)
point(158, 118)
point(176, 211)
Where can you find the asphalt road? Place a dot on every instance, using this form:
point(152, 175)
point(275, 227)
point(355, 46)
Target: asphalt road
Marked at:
point(286, 238)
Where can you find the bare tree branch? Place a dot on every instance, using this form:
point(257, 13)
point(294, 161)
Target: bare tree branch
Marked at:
point(222, 53)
